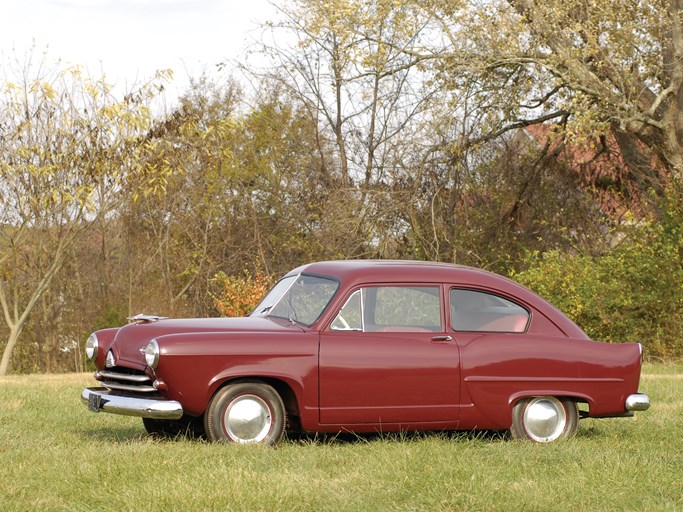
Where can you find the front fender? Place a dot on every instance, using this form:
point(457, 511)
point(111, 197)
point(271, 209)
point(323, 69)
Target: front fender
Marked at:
point(105, 340)
point(194, 366)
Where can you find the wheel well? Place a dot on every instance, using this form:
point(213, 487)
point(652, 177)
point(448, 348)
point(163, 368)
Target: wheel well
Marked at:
point(560, 396)
point(282, 388)
point(582, 403)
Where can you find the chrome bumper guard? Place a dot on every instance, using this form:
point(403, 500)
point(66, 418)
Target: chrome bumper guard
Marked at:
point(100, 399)
point(637, 402)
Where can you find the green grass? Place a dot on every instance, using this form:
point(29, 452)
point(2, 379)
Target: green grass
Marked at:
point(55, 455)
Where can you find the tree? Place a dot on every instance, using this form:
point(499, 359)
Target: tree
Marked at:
point(347, 69)
point(602, 66)
point(172, 236)
point(247, 189)
point(67, 147)
point(403, 132)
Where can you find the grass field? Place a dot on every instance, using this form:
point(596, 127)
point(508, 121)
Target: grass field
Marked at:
point(55, 455)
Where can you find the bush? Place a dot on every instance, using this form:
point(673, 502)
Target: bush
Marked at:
point(239, 295)
point(632, 292)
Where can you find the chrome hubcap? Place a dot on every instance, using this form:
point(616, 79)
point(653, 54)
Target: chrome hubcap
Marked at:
point(247, 419)
point(545, 418)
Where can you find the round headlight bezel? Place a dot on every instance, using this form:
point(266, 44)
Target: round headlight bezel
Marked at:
point(92, 347)
point(152, 354)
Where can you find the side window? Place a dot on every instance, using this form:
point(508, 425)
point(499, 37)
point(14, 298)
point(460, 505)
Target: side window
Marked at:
point(391, 309)
point(473, 310)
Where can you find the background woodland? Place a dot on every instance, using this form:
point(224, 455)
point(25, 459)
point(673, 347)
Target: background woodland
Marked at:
point(539, 140)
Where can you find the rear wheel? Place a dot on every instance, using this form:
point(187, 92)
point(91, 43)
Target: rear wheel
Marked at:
point(245, 413)
point(544, 419)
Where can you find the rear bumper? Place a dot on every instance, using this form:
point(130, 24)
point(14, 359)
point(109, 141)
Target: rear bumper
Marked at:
point(100, 399)
point(637, 402)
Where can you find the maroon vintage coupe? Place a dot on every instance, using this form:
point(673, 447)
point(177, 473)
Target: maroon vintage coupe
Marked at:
point(367, 346)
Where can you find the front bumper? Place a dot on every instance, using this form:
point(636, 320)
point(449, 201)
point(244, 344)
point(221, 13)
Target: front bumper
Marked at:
point(100, 399)
point(637, 402)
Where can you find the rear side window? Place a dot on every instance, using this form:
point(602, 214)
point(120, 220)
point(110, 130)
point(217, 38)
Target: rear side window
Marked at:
point(473, 310)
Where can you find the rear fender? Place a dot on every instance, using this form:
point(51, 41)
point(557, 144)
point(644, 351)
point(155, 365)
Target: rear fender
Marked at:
point(500, 369)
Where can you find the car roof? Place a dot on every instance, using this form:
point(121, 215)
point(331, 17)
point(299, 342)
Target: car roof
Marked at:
point(359, 271)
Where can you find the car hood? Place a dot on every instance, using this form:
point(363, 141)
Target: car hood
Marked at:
point(131, 340)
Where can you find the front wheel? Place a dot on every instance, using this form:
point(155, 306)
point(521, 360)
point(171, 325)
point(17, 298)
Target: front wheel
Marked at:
point(245, 413)
point(544, 419)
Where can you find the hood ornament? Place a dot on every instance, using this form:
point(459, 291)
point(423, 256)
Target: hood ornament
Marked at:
point(143, 319)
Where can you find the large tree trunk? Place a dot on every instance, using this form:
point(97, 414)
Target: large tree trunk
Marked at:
point(642, 169)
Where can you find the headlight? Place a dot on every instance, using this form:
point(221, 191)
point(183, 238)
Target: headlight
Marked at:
point(152, 354)
point(91, 346)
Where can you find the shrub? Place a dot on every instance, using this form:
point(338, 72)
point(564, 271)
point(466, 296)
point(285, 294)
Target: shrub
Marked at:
point(632, 292)
point(239, 295)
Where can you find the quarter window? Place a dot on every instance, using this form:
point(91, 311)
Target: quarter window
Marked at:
point(350, 318)
point(478, 311)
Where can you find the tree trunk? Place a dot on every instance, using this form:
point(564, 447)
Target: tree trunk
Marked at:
point(14, 333)
point(641, 168)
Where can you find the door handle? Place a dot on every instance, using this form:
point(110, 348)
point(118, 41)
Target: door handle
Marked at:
point(442, 338)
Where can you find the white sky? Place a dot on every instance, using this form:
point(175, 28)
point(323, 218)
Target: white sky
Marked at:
point(129, 40)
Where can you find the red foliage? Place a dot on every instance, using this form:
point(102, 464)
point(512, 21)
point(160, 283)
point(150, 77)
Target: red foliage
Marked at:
point(240, 294)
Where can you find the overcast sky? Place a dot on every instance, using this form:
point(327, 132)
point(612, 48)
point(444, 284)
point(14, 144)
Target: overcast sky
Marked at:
point(130, 39)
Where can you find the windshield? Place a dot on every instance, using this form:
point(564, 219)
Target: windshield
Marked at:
point(299, 298)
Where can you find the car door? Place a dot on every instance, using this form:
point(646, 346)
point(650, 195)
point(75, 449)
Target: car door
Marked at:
point(386, 358)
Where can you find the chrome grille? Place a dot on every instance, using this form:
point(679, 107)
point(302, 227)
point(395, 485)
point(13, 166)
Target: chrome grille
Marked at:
point(131, 382)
